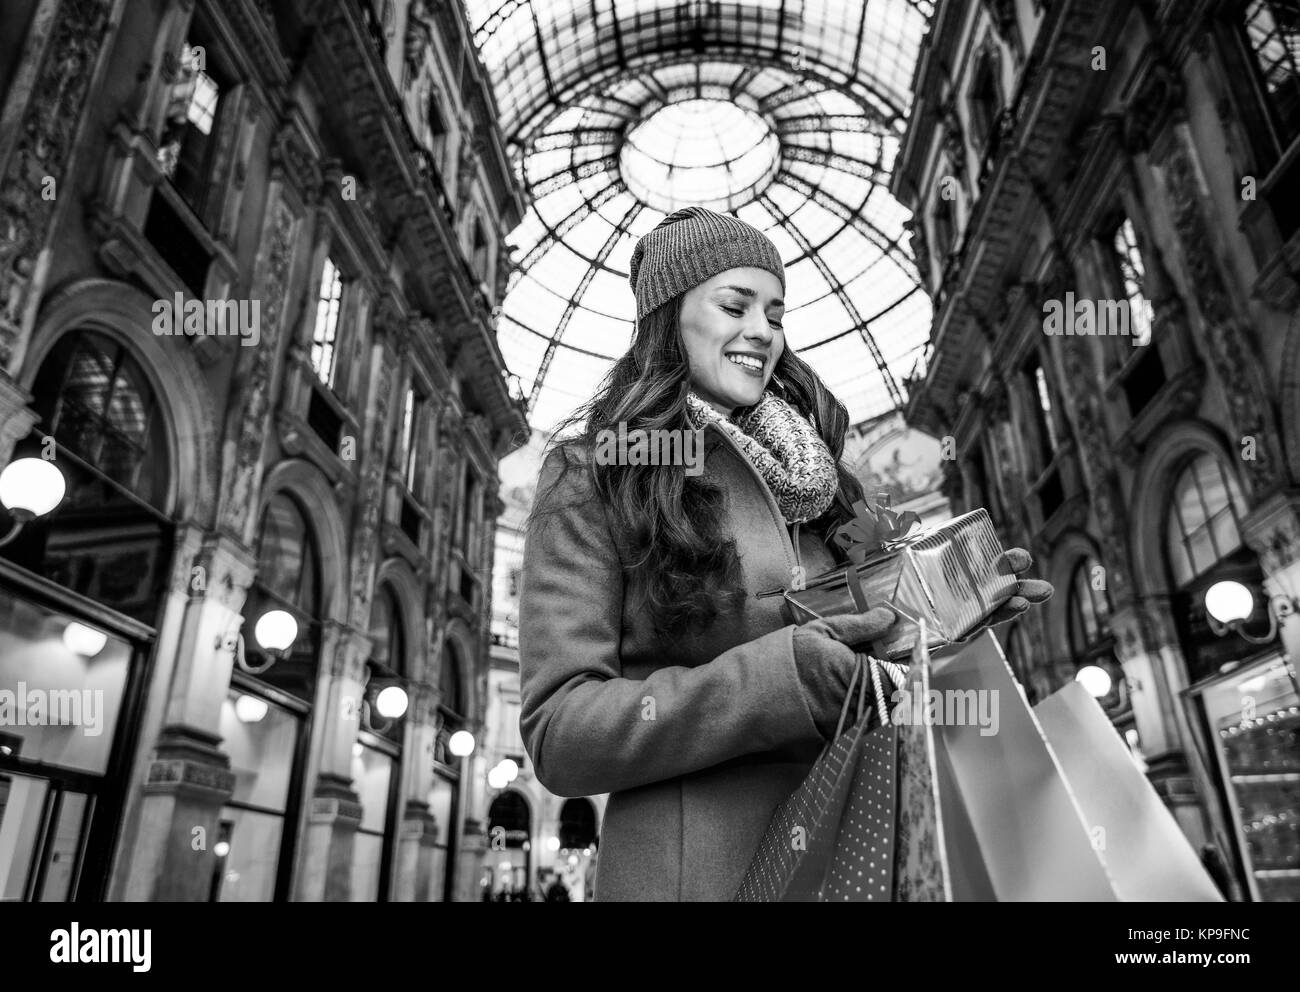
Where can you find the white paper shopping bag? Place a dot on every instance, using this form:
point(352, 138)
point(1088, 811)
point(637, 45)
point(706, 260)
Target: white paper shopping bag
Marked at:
point(1031, 832)
point(1146, 853)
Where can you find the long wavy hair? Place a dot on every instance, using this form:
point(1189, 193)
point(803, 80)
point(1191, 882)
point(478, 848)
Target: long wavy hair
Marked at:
point(670, 525)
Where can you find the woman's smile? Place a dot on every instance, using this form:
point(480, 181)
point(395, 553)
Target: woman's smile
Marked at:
point(748, 362)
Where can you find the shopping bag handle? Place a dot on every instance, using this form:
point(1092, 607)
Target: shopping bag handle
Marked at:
point(859, 679)
point(870, 667)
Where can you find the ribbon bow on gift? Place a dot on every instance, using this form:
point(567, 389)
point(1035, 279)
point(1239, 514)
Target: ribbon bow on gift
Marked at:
point(875, 528)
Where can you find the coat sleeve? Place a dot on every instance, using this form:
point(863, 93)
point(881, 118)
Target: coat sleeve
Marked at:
point(587, 729)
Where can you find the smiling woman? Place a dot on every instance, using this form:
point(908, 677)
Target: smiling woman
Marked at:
point(648, 668)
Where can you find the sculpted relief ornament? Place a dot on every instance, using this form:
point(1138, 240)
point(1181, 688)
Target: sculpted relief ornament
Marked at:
point(371, 496)
point(243, 463)
point(43, 148)
point(1228, 341)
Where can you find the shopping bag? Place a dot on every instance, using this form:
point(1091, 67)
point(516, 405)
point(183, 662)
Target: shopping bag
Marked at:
point(1030, 837)
point(1059, 815)
point(832, 840)
point(1148, 856)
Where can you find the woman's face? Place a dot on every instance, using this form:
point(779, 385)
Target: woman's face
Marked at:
point(732, 335)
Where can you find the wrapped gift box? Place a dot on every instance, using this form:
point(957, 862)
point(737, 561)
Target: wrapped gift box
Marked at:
point(947, 576)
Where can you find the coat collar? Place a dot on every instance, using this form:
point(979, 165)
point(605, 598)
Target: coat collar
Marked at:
point(724, 439)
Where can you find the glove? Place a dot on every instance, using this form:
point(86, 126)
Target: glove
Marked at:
point(824, 657)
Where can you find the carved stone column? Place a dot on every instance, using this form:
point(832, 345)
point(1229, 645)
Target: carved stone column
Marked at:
point(325, 868)
point(189, 776)
point(246, 430)
point(1097, 463)
point(365, 529)
point(413, 862)
point(1272, 531)
point(44, 110)
point(1228, 339)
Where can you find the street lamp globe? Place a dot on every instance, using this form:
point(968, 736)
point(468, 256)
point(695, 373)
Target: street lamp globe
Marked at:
point(276, 630)
point(1095, 679)
point(31, 487)
point(1229, 602)
point(391, 702)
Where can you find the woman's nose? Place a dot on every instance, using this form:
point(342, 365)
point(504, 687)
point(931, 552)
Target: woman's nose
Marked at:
point(759, 330)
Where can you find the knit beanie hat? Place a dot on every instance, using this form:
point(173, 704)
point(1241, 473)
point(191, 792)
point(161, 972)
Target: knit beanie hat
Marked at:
point(690, 246)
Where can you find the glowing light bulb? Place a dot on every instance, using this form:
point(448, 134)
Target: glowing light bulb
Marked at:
point(1096, 680)
point(276, 630)
point(31, 487)
point(83, 640)
point(391, 702)
point(1229, 601)
point(250, 709)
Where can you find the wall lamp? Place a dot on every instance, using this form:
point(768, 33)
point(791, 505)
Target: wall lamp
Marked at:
point(1229, 603)
point(29, 488)
point(275, 631)
point(382, 694)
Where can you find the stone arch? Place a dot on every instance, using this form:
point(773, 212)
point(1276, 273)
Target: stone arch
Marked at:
point(1166, 452)
point(308, 484)
point(124, 313)
point(398, 576)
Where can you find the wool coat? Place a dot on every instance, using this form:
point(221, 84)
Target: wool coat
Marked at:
point(696, 742)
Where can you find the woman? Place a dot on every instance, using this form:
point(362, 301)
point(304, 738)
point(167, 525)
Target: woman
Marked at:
point(649, 670)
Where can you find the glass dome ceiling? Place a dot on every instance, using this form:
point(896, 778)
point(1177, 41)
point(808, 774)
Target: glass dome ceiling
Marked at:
point(786, 113)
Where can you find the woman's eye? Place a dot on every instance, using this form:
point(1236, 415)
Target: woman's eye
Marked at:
point(733, 311)
point(777, 324)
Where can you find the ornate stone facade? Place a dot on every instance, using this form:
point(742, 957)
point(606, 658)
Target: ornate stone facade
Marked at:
point(1114, 186)
point(308, 200)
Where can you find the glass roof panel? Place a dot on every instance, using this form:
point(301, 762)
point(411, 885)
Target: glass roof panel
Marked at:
point(786, 113)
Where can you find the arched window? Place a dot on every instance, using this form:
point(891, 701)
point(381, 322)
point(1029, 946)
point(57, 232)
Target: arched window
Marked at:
point(1089, 608)
point(1204, 523)
point(110, 540)
point(577, 825)
point(98, 405)
point(449, 681)
point(985, 94)
point(1088, 631)
point(265, 721)
point(386, 632)
point(286, 556)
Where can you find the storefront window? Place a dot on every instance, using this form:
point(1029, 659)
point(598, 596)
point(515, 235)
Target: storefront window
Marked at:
point(372, 778)
point(259, 736)
point(62, 686)
point(1254, 722)
point(267, 714)
point(442, 804)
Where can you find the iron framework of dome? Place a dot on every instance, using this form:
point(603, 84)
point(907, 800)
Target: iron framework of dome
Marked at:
point(787, 114)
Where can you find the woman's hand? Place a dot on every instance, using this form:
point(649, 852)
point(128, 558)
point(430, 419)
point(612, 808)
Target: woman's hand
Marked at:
point(825, 657)
point(1028, 592)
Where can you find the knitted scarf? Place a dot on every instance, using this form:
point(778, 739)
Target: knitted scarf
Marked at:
point(786, 449)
